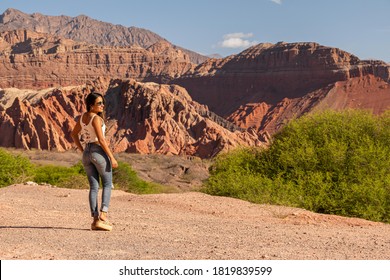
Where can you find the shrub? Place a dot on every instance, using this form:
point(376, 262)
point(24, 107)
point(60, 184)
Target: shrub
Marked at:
point(125, 178)
point(330, 162)
point(14, 169)
point(18, 169)
point(68, 177)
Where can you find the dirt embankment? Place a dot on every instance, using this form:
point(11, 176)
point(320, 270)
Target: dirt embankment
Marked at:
point(44, 222)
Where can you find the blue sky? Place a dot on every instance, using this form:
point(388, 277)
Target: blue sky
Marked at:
point(361, 27)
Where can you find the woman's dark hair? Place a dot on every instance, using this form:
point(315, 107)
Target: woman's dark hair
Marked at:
point(91, 99)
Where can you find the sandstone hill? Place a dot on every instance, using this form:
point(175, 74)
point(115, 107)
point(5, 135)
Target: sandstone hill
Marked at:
point(268, 84)
point(143, 118)
point(39, 60)
point(85, 29)
point(196, 109)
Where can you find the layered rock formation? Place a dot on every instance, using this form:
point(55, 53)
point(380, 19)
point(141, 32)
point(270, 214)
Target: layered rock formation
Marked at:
point(38, 60)
point(88, 30)
point(142, 118)
point(256, 92)
point(266, 85)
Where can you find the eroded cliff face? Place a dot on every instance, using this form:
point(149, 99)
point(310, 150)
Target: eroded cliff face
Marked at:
point(85, 29)
point(254, 94)
point(266, 85)
point(141, 118)
point(38, 60)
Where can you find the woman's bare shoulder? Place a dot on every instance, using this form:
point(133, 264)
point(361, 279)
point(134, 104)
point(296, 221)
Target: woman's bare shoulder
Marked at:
point(97, 119)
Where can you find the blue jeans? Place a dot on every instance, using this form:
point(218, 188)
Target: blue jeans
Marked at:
point(97, 164)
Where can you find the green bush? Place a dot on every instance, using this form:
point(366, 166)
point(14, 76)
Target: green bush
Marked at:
point(67, 177)
point(14, 169)
point(330, 162)
point(18, 169)
point(125, 178)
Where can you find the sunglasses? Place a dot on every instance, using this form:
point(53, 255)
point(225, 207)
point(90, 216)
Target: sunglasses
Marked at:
point(100, 103)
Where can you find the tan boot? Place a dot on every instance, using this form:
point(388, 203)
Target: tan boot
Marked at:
point(93, 225)
point(102, 223)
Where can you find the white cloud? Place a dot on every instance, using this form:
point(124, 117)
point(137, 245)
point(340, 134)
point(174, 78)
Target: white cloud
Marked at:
point(237, 40)
point(237, 35)
point(279, 2)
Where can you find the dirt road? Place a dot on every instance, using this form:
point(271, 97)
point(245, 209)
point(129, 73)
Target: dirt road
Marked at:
point(44, 222)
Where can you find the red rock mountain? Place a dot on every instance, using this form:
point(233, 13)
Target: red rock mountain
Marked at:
point(267, 84)
point(85, 29)
point(38, 60)
point(142, 118)
point(256, 92)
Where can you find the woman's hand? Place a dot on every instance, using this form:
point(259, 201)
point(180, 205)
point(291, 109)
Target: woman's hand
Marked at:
point(114, 163)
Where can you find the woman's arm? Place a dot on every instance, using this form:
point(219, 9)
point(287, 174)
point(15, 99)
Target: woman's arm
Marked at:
point(75, 136)
point(97, 123)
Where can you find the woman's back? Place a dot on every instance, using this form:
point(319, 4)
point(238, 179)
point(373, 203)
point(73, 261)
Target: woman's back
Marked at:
point(87, 130)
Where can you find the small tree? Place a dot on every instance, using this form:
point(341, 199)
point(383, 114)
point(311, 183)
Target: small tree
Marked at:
point(14, 169)
point(329, 162)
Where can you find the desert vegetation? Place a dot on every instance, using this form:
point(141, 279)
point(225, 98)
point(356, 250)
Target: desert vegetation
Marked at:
point(329, 162)
point(16, 169)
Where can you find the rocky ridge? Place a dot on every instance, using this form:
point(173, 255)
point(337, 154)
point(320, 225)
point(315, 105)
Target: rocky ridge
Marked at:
point(249, 96)
point(268, 84)
point(39, 60)
point(142, 118)
point(85, 29)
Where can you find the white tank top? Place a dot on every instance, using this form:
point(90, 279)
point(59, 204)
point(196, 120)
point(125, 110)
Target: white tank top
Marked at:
point(88, 133)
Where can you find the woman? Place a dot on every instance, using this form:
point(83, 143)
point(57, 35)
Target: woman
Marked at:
point(98, 160)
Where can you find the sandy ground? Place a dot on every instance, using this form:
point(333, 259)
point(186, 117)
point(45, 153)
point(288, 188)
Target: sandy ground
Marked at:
point(44, 222)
